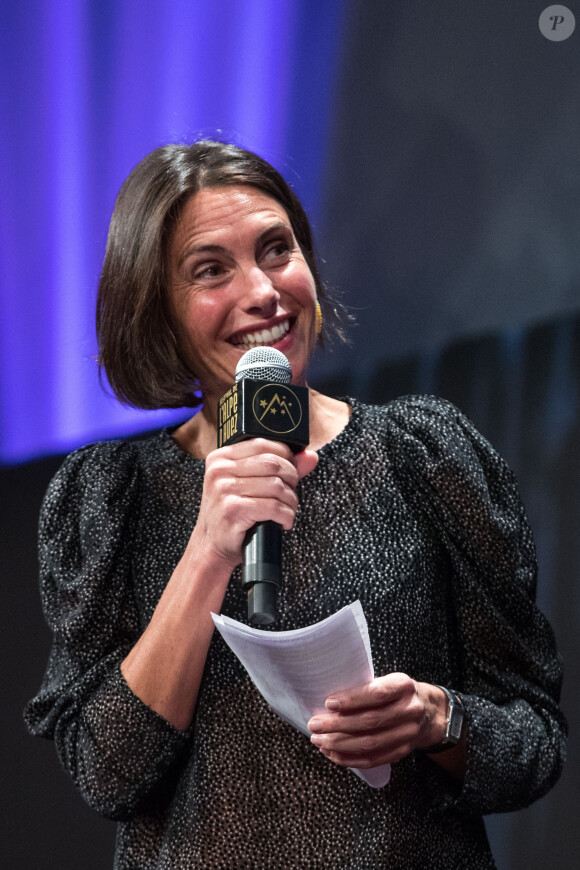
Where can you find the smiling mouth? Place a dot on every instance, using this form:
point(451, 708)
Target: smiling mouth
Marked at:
point(261, 337)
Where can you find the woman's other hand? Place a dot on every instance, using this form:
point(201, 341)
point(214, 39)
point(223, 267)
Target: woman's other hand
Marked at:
point(383, 721)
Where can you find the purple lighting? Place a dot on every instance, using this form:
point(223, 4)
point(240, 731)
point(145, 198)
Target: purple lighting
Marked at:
point(88, 90)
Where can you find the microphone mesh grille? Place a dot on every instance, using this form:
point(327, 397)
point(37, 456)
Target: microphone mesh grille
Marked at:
point(264, 364)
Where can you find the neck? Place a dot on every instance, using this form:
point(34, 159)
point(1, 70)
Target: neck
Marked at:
point(199, 434)
point(328, 417)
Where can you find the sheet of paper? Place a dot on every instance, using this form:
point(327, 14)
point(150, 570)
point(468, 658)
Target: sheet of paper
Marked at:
point(295, 671)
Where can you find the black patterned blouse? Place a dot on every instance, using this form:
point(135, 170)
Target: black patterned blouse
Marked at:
point(411, 511)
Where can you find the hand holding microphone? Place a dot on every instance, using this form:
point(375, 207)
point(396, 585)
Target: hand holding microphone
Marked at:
point(263, 404)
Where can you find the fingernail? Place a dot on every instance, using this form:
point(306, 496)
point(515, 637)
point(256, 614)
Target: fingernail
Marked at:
point(332, 704)
point(316, 739)
point(315, 725)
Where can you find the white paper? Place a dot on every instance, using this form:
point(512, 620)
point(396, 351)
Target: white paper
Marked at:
point(296, 671)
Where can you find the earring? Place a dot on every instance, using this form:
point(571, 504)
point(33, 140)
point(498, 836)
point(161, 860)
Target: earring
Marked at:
point(318, 318)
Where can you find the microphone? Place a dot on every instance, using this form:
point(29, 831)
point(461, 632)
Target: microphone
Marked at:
point(262, 404)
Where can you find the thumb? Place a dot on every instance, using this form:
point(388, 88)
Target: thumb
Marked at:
point(306, 461)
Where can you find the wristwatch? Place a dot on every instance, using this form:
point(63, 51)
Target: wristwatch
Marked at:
point(455, 716)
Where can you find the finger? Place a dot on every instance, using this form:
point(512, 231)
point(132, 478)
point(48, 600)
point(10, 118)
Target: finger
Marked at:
point(254, 447)
point(259, 504)
point(265, 487)
point(367, 743)
point(229, 474)
point(364, 762)
point(368, 750)
point(306, 461)
point(358, 722)
point(292, 467)
point(264, 509)
point(266, 465)
point(378, 693)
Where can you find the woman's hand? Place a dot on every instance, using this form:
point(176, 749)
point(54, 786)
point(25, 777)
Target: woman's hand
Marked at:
point(244, 484)
point(383, 722)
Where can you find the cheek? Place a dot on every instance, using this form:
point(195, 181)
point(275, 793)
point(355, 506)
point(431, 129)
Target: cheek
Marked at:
point(301, 284)
point(197, 319)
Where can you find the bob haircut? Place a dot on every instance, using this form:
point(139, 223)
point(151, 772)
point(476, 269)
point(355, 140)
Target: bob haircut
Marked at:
point(138, 345)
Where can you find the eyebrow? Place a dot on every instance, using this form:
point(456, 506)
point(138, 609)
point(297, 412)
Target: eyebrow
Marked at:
point(220, 249)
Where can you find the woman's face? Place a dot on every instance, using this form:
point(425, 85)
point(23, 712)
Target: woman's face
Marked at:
point(238, 279)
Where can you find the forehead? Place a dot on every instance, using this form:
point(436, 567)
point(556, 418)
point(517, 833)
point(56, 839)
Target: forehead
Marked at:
point(220, 210)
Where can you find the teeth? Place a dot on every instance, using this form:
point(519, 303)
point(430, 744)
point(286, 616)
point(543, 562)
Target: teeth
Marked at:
point(264, 336)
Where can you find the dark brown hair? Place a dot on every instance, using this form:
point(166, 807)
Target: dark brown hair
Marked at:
point(138, 345)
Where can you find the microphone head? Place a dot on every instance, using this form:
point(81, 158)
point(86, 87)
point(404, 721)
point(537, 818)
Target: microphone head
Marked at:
point(264, 364)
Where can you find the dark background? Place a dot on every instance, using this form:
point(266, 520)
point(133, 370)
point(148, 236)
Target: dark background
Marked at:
point(451, 223)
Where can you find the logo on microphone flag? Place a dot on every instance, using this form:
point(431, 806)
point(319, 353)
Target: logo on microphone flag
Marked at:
point(277, 408)
point(257, 409)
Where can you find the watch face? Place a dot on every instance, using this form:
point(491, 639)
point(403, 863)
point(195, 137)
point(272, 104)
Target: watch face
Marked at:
point(455, 727)
point(455, 721)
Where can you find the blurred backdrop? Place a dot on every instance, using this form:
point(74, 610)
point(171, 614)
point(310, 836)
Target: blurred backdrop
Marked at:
point(436, 148)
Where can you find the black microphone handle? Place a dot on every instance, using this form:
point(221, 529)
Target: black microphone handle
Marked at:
point(261, 570)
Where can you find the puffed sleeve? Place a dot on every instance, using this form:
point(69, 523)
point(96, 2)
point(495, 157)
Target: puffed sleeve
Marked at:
point(508, 670)
point(117, 750)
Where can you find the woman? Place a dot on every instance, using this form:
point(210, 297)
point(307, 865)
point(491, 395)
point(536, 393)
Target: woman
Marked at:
point(405, 507)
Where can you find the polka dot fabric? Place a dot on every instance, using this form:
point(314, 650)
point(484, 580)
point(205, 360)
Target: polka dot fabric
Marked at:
point(409, 510)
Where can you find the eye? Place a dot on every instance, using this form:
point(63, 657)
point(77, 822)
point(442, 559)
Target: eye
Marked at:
point(276, 252)
point(208, 271)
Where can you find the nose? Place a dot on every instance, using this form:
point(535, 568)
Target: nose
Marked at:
point(260, 295)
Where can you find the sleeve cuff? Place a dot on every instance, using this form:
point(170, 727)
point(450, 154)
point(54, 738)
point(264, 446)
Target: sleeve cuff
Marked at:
point(128, 736)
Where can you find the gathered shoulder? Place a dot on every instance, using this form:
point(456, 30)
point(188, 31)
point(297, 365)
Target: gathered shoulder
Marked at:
point(428, 418)
point(449, 473)
point(426, 434)
point(91, 476)
point(99, 456)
